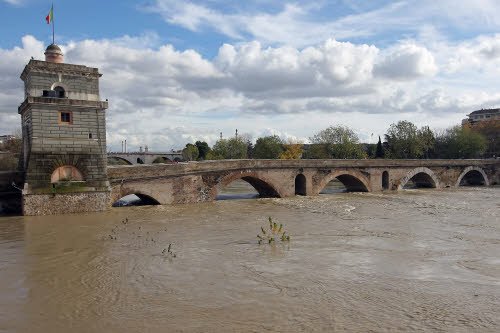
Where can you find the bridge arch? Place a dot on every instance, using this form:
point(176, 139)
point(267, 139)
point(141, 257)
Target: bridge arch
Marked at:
point(262, 185)
point(422, 176)
point(119, 192)
point(353, 180)
point(161, 159)
point(112, 159)
point(474, 176)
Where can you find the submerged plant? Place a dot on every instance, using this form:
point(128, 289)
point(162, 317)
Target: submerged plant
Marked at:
point(276, 232)
point(168, 252)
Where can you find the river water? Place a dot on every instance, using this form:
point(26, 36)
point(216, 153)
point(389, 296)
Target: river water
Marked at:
point(418, 260)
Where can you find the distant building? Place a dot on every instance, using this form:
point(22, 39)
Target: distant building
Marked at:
point(482, 115)
point(5, 138)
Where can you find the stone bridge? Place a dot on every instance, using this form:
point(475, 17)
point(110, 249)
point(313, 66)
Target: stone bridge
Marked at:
point(201, 181)
point(134, 158)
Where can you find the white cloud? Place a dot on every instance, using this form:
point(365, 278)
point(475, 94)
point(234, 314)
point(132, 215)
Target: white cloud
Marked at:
point(14, 2)
point(165, 97)
point(298, 24)
point(406, 62)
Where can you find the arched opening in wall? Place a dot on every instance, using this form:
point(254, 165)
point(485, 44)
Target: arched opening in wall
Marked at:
point(473, 178)
point(66, 173)
point(161, 159)
point(136, 199)
point(385, 180)
point(344, 183)
point(113, 160)
point(60, 93)
point(246, 188)
point(420, 180)
point(300, 184)
point(139, 161)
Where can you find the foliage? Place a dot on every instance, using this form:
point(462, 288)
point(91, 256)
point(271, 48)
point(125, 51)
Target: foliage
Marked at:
point(379, 153)
point(190, 152)
point(9, 154)
point(490, 129)
point(234, 148)
point(460, 142)
point(274, 233)
point(405, 140)
point(268, 147)
point(317, 151)
point(427, 140)
point(339, 142)
point(293, 151)
point(203, 149)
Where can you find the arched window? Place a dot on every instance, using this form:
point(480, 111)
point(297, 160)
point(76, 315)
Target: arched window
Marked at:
point(385, 180)
point(66, 173)
point(60, 93)
point(300, 184)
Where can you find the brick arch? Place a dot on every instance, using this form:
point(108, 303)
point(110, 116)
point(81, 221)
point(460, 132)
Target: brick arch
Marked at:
point(122, 190)
point(469, 169)
point(72, 161)
point(353, 180)
point(261, 184)
point(429, 177)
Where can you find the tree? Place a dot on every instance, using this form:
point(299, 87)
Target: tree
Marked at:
point(427, 140)
point(404, 141)
point(190, 152)
point(292, 151)
point(317, 151)
point(379, 153)
point(339, 142)
point(490, 129)
point(234, 148)
point(269, 147)
point(11, 149)
point(460, 142)
point(203, 149)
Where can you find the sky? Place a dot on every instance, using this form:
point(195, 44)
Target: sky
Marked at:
point(178, 71)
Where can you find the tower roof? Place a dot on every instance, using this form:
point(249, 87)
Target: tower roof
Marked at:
point(53, 53)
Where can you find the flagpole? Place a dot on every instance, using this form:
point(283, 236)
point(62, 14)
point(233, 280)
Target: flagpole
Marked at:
point(53, 38)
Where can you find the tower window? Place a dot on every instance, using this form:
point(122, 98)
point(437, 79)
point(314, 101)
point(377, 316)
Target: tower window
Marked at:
point(59, 92)
point(90, 135)
point(65, 118)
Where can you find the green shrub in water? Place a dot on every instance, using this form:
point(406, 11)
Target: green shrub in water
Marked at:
point(276, 232)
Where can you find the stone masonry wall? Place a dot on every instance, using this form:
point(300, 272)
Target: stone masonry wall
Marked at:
point(47, 204)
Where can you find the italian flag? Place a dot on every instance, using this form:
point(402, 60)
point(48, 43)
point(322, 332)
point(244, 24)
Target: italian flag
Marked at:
point(50, 17)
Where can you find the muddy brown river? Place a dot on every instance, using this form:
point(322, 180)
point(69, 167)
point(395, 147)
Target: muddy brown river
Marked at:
point(420, 260)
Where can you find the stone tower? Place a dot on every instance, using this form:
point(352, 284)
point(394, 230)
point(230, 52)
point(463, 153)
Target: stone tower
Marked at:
point(64, 137)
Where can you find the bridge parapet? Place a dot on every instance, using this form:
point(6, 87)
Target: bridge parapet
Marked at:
point(200, 181)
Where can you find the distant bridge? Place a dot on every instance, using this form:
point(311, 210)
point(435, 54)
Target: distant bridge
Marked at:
point(143, 158)
point(201, 181)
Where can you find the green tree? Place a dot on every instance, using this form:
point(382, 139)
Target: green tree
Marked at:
point(427, 141)
point(404, 141)
point(203, 149)
point(234, 148)
point(337, 142)
point(460, 142)
point(269, 147)
point(190, 152)
point(379, 153)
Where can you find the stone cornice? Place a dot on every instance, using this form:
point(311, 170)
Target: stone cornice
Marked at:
point(102, 105)
point(50, 67)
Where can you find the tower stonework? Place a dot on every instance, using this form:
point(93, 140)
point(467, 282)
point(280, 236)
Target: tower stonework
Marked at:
point(64, 138)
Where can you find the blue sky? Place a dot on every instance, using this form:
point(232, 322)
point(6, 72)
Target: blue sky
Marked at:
point(264, 67)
